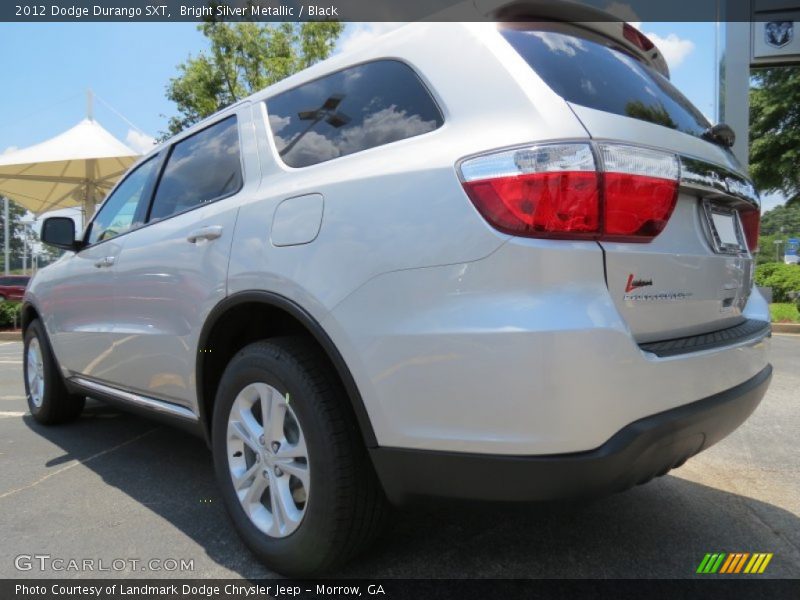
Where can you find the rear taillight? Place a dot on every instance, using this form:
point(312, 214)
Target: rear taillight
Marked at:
point(751, 223)
point(558, 191)
point(637, 38)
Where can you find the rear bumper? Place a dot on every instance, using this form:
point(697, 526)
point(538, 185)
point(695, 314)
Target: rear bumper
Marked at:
point(523, 353)
point(638, 452)
point(749, 330)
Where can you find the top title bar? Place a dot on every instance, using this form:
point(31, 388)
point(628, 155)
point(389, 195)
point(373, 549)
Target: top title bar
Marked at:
point(387, 10)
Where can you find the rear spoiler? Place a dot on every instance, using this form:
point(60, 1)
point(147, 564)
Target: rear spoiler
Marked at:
point(581, 15)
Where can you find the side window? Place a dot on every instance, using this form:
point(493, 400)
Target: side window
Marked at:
point(118, 213)
point(201, 168)
point(352, 110)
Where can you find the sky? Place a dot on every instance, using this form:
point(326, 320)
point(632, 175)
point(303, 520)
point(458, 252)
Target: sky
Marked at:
point(49, 66)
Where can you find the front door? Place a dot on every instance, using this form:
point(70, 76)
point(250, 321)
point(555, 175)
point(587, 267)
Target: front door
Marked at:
point(173, 271)
point(78, 291)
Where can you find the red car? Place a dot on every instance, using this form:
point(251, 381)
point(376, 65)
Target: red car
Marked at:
point(13, 287)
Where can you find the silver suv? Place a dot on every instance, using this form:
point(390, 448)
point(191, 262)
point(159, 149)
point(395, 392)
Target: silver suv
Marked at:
point(524, 274)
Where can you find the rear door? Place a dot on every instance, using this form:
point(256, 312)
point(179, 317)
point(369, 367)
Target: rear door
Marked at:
point(172, 271)
point(684, 281)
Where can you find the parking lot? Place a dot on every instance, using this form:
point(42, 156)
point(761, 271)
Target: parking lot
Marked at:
point(116, 486)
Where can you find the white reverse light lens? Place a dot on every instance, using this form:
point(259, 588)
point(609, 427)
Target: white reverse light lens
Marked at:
point(546, 158)
point(639, 161)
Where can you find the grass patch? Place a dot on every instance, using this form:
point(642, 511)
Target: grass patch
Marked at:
point(784, 312)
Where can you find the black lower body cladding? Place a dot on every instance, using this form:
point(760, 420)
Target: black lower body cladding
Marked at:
point(638, 452)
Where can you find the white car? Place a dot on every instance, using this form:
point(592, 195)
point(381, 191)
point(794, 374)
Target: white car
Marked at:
point(497, 262)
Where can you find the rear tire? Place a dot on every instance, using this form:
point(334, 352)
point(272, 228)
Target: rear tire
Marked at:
point(308, 460)
point(48, 399)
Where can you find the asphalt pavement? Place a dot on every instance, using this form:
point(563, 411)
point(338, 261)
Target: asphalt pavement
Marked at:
point(113, 486)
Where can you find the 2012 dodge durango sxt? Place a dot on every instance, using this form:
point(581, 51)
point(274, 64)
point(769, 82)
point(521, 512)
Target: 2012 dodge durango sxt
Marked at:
point(524, 274)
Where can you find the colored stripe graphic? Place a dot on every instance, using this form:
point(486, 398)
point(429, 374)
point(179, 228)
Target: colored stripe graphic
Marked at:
point(717, 563)
point(720, 562)
point(703, 563)
point(734, 563)
point(702, 566)
point(754, 563)
point(730, 565)
point(711, 563)
point(727, 564)
point(741, 562)
point(764, 564)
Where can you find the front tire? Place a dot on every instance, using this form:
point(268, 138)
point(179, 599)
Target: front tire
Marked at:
point(48, 399)
point(294, 473)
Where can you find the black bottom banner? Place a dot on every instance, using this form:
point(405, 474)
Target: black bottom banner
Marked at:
point(397, 589)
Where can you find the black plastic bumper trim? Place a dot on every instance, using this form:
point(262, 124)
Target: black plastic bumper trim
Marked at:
point(750, 329)
point(638, 452)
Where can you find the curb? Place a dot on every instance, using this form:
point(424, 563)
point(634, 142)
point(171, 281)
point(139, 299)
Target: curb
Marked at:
point(10, 336)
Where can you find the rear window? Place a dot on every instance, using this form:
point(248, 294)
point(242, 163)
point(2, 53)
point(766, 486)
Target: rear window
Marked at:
point(593, 71)
point(349, 111)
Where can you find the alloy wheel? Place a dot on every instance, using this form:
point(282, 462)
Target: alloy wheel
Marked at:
point(35, 372)
point(268, 459)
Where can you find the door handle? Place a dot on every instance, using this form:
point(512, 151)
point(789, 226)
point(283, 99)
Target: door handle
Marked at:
point(106, 261)
point(209, 233)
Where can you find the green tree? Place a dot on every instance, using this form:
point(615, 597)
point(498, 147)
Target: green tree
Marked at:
point(242, 59)
point(15, 215)
point(783, 279)
point(781, 219)
point(780, 223)
point(775, 131)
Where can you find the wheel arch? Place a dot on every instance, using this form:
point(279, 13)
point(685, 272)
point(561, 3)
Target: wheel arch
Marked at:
point(297, 320)
point(29, 313)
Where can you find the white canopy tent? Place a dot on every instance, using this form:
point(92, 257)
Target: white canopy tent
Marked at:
point(75, 168)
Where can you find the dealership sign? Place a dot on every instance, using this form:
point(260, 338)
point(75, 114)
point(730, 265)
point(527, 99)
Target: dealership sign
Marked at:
point(776, 42)
point(775, 35)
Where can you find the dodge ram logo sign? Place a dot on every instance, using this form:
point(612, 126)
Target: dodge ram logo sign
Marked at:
point(778, 33)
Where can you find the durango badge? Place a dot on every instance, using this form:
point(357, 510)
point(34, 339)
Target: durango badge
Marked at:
point(636, 283)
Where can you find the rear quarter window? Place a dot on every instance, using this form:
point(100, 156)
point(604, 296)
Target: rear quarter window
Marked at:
point(593, 71)
point(350, 111)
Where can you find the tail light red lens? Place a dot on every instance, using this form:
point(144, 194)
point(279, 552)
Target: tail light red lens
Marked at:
point(751, 223)
point(556, 191)
point(637, 208)
point(540, 204)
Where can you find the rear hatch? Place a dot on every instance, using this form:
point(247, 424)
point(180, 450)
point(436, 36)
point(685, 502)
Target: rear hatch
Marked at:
point(690, 270)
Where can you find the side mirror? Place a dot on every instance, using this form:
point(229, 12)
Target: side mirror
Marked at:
point(59, 232)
